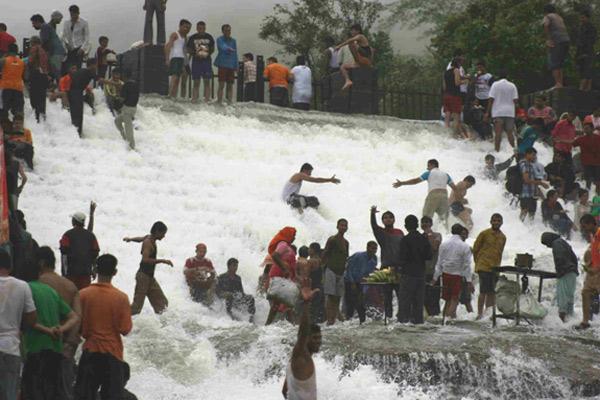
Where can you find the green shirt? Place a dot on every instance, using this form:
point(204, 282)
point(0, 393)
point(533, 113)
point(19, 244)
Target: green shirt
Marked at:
point(51, 309)
point(336, 252)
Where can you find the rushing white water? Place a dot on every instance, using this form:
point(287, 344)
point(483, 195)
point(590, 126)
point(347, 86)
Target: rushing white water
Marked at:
point(215, 175)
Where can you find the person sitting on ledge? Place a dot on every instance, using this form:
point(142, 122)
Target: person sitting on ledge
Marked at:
point(362, 52)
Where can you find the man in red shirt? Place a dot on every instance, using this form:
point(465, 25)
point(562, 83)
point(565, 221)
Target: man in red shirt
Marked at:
point(563, 133)
point(591, 285)
point(200, 276)
point(589, 144)
point(106, 315)
point(5, 39)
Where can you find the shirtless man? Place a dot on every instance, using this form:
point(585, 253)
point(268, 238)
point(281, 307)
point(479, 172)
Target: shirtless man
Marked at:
point(300, 381)
point(317, 306)
point(303, 265)
point(145, 283)
point(292, 188)
point(362, 52)
point(457, 201)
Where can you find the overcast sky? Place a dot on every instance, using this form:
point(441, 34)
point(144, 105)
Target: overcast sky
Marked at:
point(123, 20)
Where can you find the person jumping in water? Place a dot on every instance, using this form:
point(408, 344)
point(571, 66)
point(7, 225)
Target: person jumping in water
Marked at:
point(362, 52)
point(292, 188)
point(300, 380)
point(145, 283)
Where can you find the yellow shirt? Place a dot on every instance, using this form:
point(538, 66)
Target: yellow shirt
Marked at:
point(488, 249)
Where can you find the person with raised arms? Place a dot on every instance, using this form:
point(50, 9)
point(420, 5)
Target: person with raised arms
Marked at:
point(300, 380)
point(291, 190)
point(389, 239)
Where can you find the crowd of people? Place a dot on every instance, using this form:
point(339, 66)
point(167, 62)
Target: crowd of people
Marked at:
point(62, 66)
point(483, 105)
point(190, 57)
point(52, 68)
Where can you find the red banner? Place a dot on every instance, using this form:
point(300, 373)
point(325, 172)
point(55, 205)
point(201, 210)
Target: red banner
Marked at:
point(4, 233)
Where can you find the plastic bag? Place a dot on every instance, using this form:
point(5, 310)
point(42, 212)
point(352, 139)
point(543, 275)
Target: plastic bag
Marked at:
point(507, 293)
point(530, 307)
point(283, 291)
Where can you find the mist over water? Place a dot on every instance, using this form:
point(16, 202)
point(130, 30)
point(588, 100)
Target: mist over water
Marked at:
point(215, 175)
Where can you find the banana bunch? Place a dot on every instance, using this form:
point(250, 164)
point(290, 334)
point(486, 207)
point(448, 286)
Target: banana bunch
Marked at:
point(382, 276)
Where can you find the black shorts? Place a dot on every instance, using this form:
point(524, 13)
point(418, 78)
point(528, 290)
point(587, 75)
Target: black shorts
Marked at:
point(591, 173)
point(250, 91)
point(585, 65)
point(299, 201)
point(13, 102)
point(487, 282)
point(301, 106)
point(278, 96)
point(456, 208)
point(529, 204)
point(557, 55)
point(100, 371)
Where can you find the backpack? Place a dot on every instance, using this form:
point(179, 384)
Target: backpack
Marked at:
point(514, 180)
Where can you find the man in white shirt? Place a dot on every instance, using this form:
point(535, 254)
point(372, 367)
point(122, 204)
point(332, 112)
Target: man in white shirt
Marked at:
point(333, 63)
point(454, 266)
point(301, 76)
point(16, 307)
point(504, 98)
point(76, 37)
point(437, 197)
point(483, 84)
point(290, 193)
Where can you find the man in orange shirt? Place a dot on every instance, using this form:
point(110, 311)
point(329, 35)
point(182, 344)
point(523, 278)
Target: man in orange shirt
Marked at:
point(20, 138)
point(13, 70)
point(278, 76)
point(106, 315)
point(64, 85)
point(591, 285)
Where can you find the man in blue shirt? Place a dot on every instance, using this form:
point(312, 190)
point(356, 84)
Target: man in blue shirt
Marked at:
point(527, 198)
point(226, 62)
point(530, 135)
point(358, 266)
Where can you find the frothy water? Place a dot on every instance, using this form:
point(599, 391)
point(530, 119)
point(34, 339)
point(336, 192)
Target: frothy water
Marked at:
point(215, 175)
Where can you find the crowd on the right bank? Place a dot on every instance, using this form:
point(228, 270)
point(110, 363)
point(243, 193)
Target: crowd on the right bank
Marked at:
point(484, 103)
point(416, 261)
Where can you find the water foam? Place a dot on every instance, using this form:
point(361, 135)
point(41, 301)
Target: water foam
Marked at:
point(215, 175)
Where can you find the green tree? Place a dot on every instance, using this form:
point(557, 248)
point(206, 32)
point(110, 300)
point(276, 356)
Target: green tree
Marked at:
point(413, 74)
point(302, 27)
point(507, 34)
